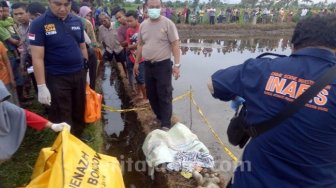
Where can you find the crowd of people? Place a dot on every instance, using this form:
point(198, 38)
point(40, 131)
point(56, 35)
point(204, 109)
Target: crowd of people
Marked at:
point(207, 14)
point(211, 15)
point(56, 52)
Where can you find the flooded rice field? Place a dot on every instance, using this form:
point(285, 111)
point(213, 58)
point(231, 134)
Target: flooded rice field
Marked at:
point(200, 59)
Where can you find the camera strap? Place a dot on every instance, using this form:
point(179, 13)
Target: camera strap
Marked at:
point(291, 108)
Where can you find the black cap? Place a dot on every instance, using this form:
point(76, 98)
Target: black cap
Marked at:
point(75, 7)
point(3, 4)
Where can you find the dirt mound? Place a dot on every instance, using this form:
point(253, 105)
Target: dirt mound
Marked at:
point(234, 30)
point(139, 124)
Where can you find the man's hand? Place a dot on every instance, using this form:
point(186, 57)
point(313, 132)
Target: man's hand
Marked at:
point(176, 72)
point(20, 42)
point(136, 69)
point(43, 94)
point(57, 127)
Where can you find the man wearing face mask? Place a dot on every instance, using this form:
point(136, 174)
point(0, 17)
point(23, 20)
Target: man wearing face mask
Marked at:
point(157, 40)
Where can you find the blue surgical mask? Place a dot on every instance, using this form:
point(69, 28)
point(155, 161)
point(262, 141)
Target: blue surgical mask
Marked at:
point(154, 13)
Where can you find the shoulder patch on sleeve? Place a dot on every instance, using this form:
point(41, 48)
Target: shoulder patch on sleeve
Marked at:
point(31, 36)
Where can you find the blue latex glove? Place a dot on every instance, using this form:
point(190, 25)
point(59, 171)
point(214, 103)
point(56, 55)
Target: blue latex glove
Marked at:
point(236, 102)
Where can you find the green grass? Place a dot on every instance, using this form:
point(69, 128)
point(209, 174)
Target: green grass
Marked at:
point(17, 171)
point(95, 131)
point(131, 6)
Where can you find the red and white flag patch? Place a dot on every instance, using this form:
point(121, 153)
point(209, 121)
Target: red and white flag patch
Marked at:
point(31, 36)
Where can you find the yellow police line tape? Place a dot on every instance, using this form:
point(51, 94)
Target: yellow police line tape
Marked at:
point(190, 95)
point(226, 149)
point(111, 109)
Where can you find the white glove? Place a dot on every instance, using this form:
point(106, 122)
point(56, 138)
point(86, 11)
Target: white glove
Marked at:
point(43, 94)
point(57, 127)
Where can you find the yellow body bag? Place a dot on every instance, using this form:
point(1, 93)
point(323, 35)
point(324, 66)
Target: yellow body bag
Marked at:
point(70, 163)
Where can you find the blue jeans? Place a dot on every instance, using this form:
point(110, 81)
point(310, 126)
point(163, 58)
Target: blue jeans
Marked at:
point(141, 77)
point(130, 66)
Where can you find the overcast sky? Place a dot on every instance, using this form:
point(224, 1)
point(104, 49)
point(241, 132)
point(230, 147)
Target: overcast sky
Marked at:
point(315, 1)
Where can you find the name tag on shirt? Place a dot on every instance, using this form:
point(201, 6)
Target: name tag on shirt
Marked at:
point(75, 28)
point(50, 29)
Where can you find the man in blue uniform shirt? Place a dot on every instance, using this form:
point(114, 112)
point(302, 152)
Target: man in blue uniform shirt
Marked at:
point(59, 53)
point(300, 151)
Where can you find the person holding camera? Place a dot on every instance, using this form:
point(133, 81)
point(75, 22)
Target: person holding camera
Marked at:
point(300, 151)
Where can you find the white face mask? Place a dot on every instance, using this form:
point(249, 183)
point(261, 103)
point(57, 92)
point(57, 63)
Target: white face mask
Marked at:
point(154, 13)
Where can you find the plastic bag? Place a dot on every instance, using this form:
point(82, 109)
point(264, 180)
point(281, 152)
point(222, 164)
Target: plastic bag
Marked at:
point(99, 54)
point(93, 105)
point(70, 163)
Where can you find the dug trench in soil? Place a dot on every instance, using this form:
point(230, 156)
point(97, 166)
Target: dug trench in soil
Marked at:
point(127, 147)
point(235, 30)
point(118, 130)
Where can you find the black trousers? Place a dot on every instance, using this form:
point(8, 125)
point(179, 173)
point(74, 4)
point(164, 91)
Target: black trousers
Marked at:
point(158, 80)
point(212, 20)
point(32, 77)
point(92, 61)
point(68, 100)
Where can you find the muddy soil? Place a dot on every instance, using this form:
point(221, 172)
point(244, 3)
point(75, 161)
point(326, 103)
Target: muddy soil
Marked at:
point(137, 125)
point(234, 30)
point(129, 144)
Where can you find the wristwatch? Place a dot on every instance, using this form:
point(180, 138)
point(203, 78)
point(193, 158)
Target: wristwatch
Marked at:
point(177, 65)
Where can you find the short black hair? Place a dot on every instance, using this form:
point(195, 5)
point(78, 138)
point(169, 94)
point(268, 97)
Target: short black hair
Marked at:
point(36, 8)
point(84, 3)
point(118, 9)
point(75, 7)
point(132, 13)
point(3, 4)
point(122, 10)
point(315, 31)
point(115, 9)
point(146, 2)
point(19, 5)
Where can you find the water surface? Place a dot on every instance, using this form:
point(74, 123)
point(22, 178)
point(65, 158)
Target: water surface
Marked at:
point(200, 59)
